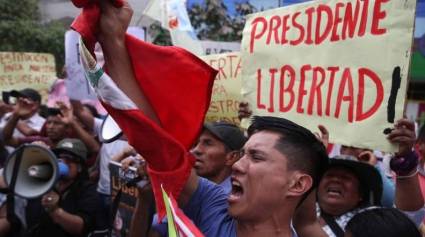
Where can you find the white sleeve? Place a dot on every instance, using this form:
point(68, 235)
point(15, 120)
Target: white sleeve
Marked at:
point(416, 216)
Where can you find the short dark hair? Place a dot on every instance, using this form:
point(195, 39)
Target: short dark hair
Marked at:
point(301, 147)
point(388, 222)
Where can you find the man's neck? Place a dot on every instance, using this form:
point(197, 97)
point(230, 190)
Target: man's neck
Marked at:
point(219, 178)
point(273, 227)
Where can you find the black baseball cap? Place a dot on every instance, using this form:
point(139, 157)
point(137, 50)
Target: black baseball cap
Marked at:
point(71, 145)
point(227, 133)
point(27, 93)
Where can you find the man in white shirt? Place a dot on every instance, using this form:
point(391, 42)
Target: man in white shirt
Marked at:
point(33, 122)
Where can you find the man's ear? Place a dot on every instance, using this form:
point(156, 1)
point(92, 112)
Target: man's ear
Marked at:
point(232, 157)
point(299, 184)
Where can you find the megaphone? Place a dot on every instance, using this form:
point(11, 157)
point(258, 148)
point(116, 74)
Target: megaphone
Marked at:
point(110, 131)
point(32, 170)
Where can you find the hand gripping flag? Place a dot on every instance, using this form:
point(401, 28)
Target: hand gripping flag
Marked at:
point(179, 225)
point(178, 86)
point(86, 22)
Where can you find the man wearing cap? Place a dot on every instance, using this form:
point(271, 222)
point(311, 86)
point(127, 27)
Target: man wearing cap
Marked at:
point(216, 150)
point(26, 112)
point(70, 208)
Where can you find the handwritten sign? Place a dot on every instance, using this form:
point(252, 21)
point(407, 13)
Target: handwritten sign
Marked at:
point(23, 70)
point(127, 203)
point(227, 87)
point(343, 64)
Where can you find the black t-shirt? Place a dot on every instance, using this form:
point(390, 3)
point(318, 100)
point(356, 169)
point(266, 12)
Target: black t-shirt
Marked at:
point(79, 199)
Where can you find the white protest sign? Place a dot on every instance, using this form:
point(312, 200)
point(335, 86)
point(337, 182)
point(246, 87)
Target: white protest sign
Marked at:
point(340, 63)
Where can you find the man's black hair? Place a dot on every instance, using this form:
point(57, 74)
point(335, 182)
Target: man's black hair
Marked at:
point(388, 222)
point(301, 147)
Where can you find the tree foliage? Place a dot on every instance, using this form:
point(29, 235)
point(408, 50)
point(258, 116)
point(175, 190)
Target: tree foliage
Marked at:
point(211, 22)
point(22, 31)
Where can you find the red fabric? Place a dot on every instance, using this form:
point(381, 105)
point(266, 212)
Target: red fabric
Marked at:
point(169, 164)
point(87, 22)
point(178, 85)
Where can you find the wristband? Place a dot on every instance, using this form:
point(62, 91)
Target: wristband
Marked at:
point(404, 165)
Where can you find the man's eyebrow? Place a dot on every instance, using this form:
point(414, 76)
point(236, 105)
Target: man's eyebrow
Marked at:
point(253, 151)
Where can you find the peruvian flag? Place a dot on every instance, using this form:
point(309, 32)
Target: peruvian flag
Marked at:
point(178, 86)
point(179, 225)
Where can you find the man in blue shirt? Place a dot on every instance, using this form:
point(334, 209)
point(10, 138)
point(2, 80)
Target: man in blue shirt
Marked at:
point(280, 164)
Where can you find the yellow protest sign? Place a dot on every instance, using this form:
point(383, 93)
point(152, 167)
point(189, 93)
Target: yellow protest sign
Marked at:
point(340, 63)
point(23, 70)
point(226, 93)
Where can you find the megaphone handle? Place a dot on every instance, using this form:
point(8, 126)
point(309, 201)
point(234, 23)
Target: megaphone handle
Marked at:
point(10, 201)
point(15, 170)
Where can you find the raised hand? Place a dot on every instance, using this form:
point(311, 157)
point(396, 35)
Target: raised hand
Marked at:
point(323, 136)
point(24, 108)
point(404, 135)
point(114, 21)
point(67, 115)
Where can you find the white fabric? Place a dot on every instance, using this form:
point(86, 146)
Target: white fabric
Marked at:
point(35, 122)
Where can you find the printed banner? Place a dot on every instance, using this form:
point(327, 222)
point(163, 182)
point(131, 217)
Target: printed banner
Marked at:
point(27, 70)
point(343, 64)
point(226, 93)
point(127, 204)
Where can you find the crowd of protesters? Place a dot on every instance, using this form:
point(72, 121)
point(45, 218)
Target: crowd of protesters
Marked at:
point(317, 200)
point(274, 179)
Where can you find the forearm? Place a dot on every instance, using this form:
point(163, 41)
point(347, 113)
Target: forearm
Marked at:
point(72, 224)
point(87, 138)
point(189, 188)
point(10, 126)
point(408, 196)
point(140, 225)
point(86, 118)
point(120, 69)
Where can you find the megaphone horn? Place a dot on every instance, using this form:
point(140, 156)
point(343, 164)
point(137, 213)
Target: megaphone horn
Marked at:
point(35, 173)
point(110, 131)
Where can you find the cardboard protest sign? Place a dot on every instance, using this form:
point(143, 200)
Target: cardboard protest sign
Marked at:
point(27, 70)
point(128, 199)
point(226, 93)
point(343, 64)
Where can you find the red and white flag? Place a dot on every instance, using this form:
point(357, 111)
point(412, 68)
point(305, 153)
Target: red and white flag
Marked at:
point(179, 225)
point(178, 86)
